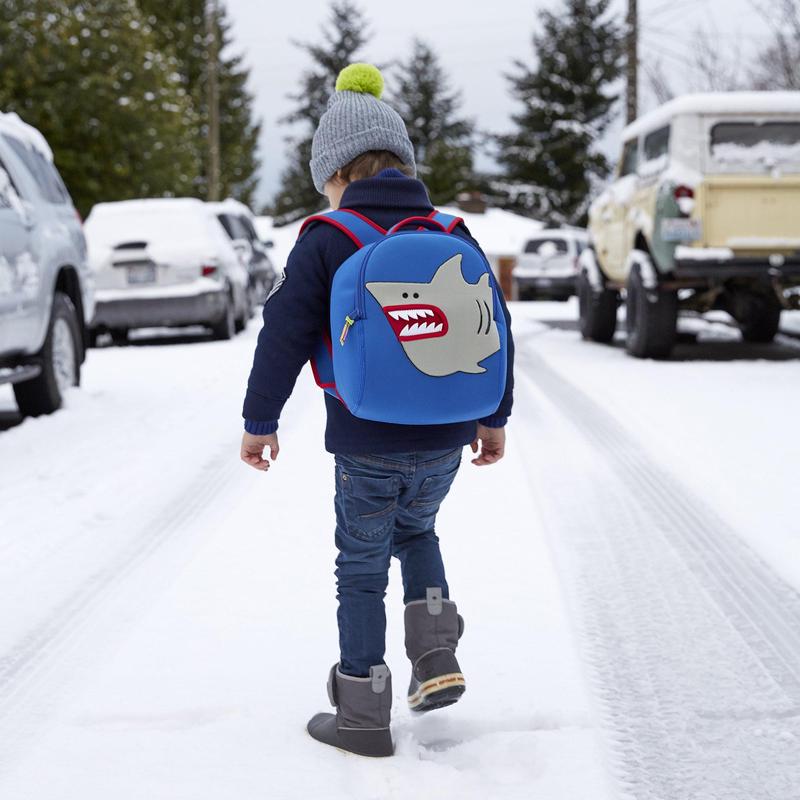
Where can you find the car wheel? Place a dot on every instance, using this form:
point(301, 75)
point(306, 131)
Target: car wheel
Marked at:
point(652, 317)
point(763, 320)
point(597, 310)
point(226, 327)
point(60, 362)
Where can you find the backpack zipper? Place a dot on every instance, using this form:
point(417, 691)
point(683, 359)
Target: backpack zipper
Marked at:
point(349, 321)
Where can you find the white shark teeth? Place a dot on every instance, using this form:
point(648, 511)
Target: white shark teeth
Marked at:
point(418, 329)
point(411, 313)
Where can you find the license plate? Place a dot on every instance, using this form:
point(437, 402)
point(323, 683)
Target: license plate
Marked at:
point(142, 273)
point(681, 230)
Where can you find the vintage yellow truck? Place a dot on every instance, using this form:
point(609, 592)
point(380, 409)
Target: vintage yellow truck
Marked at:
point(703, 213)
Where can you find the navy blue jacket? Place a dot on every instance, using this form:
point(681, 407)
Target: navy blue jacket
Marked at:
point(297, 313)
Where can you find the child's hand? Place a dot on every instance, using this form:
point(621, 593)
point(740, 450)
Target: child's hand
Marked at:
point(493, 445)
point(253, 449)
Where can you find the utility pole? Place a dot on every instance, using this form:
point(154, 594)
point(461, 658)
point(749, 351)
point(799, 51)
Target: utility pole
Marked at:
point(632, 61)
point(212, 99)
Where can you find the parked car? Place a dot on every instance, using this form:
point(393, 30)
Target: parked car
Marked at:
point(238, 221)
point(164, 262)
point(45, 285)
point(702, 214)
point(548, 264)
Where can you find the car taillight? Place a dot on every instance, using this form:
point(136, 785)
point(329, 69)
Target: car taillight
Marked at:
point(208, 270)
point(684, 197)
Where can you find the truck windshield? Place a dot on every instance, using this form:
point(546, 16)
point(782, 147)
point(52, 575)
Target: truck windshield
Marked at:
point(756, 144)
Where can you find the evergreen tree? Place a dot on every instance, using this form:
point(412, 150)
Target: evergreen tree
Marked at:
point(91, 78)
point(551, 163)
point(181, 29)
point(342, 39)
point(442, 141)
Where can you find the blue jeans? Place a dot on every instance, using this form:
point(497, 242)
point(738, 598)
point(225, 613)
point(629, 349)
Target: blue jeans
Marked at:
point(385, 506)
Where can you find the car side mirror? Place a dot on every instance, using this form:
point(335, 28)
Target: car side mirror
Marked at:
point(243, 249)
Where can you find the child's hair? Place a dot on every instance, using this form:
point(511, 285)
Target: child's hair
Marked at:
point(369, 164)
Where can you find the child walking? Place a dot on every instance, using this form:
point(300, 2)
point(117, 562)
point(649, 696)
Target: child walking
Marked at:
point(391, 477)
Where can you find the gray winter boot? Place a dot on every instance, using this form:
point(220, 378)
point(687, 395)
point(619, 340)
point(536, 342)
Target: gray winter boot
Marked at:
point(363, 709)
point(433, 628)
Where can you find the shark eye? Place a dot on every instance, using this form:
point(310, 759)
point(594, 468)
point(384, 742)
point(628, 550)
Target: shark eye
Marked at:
point(405, 295)
point(416, 294)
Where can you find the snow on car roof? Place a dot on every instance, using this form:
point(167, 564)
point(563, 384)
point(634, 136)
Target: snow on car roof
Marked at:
point(561, 233)
point(149, 204)
point(715, 103)
point(14, 125)
point(230, 206)
point(156, 219)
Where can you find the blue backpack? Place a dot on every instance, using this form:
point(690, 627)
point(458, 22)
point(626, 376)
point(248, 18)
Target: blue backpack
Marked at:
point(419, 331)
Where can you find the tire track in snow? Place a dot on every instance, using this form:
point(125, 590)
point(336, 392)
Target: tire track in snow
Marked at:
point(42, 650)
point(693, 642)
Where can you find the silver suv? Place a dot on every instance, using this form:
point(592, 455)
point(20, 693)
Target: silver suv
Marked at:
point(45, 287)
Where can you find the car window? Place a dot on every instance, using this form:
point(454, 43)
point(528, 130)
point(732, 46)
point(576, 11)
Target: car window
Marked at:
point(252, 236)
point(630, 158)
point(233, 226)
point(225, 221)
point(534, 245)
point(41, 170)
point(656, 144)
point(7, 181)
point(756, 143)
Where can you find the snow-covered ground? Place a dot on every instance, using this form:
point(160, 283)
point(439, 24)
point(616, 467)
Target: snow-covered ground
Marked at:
point(168, 615)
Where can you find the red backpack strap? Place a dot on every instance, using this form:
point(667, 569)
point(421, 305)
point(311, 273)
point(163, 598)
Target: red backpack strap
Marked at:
point(358, 228)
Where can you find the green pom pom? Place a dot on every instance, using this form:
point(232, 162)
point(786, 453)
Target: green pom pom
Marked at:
point(363, 78)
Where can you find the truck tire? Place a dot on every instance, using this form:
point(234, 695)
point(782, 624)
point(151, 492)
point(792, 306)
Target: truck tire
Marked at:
point(762, 323)
point(60, 361)
point(652, 318)
point(598, 310)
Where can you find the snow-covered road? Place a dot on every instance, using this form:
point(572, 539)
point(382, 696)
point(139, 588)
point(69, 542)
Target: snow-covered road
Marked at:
point(168, 616)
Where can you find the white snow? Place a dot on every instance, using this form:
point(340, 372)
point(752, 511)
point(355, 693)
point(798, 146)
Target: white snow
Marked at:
point(169, 615)
point(765, 153)
point(14, 125)
point(500, 233)
point(715, 103)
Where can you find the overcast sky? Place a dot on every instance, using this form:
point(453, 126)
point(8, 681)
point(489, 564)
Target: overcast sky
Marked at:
point(476, 45)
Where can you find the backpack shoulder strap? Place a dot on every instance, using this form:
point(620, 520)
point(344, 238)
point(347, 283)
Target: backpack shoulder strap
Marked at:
point(358, 228)
point(447, 221)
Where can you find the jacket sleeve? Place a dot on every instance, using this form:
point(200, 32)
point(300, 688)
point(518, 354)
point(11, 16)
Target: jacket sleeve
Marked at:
point(500, 417)
point(295, 314)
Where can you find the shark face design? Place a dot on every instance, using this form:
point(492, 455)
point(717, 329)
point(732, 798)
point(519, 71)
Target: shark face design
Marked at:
point(444, 326)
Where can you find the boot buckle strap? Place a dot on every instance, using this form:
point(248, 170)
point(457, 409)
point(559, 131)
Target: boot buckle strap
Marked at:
point(434, 600)
point(378, 674)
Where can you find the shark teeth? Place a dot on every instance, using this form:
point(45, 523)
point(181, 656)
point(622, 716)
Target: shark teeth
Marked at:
point(411, 313)
point(423, 329)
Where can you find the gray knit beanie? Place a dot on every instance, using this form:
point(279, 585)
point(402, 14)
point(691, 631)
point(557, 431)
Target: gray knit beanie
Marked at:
point(357, 121)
